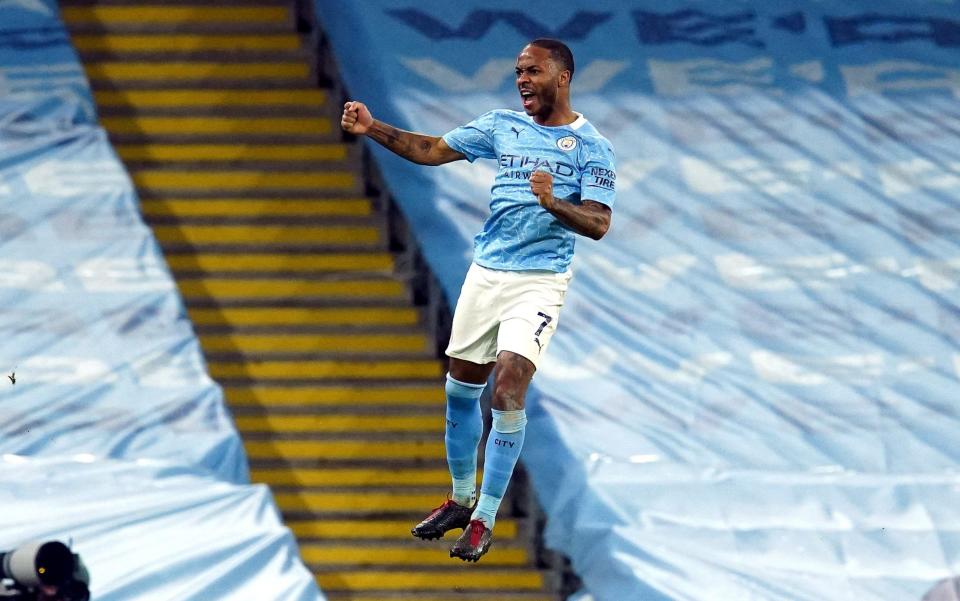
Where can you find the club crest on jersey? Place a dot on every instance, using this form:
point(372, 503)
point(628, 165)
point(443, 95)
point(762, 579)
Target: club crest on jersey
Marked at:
point(567, 143)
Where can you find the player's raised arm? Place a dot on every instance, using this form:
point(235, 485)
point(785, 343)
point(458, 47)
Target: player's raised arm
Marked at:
point(589, 218)
point(419, 148)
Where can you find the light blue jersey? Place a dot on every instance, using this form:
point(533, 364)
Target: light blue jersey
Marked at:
point(520, 234)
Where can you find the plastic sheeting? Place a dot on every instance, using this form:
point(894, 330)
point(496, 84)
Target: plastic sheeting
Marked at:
point(753, 393)
point(111, 431)
point(151, 530)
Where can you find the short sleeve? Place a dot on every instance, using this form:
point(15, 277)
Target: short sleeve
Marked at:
point(599, 179)
point(475, 139)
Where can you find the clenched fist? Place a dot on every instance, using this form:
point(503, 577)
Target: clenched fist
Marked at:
point(356, 118)
point(541, 184)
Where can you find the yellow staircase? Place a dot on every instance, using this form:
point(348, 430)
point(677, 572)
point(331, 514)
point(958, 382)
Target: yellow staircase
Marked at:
point(282, 262)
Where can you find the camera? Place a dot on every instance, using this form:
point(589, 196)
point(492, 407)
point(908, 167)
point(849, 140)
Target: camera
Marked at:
point(43, 571)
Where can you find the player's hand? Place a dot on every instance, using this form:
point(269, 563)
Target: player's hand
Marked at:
point(541, 184)
point(356, 118)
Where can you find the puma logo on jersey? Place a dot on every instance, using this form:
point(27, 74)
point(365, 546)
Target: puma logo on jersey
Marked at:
point(516, 131)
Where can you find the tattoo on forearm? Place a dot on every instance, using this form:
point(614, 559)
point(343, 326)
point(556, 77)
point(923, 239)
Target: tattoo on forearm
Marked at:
point(410, 146)
point(387, 135)
point(584, 219)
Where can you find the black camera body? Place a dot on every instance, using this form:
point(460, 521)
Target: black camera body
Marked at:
point(43, 571)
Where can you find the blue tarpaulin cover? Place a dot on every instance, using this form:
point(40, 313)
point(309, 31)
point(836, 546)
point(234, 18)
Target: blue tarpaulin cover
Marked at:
point(112, 433)
point(753, 393)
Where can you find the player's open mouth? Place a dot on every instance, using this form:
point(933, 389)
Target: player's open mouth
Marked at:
point(527, 97)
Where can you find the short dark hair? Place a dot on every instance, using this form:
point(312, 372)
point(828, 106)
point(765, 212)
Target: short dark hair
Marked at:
point(558, 52)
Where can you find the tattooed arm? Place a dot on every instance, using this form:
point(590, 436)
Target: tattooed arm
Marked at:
point(589, 218)
point(425, 150)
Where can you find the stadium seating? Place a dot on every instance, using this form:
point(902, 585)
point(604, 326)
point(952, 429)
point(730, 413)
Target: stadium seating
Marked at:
point(112, 434)
point(753, 391)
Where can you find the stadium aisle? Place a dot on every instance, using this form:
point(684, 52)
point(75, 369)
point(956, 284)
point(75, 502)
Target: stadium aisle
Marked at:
point(282, 261)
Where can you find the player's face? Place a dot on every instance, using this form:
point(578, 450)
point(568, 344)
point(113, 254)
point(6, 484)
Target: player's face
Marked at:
point(538, 80)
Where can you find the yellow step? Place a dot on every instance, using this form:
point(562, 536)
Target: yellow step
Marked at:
point(286, 396)
point(339, 423)
point(208, 98)
point(400, 555)
point(363, 501)
point(479, 578)
point(231, 152)
point(325, 370)
point(184, 42)
point(305, 316)
point(304, 477)
point(312, 262)
point(351, 449)
point(151, 126)
point(289, 288)
point(166, 179)
point(171, 14)
point(166, 71)
point(265, 234)
point(239, 207)
point(374, 529)
point(306, 343)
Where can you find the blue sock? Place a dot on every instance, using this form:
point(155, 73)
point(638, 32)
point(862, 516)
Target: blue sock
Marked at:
point(502, 451)
point(464, 429)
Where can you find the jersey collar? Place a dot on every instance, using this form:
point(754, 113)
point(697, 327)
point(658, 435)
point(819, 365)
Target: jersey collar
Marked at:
point(579, 122)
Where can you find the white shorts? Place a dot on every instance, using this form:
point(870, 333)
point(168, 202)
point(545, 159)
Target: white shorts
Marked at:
point(514, 311)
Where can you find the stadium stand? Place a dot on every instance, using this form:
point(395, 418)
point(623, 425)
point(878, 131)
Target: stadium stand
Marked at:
point(753, 392)
point(283, 263)
point(113, 437)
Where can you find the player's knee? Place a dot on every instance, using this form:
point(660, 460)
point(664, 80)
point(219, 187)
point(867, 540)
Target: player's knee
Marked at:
point(510, 385)
point(507, 397)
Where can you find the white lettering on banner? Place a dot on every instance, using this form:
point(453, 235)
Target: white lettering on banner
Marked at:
point(738, 175)
point(492, 74)
point(899, 76)
point(642, 277)
point(816, 371)
point(29, 275)
point(907, 176)
point(123, 275)
point(166, 370)
point(63, 179)
point(707, 75)
point(65, 370)
point(596, 74)
point(488, 78)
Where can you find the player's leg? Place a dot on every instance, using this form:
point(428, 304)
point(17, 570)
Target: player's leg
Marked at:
point(464, 426)
point(513, 374)
point(472, 350)
point(528, 322)
point(506, 433)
